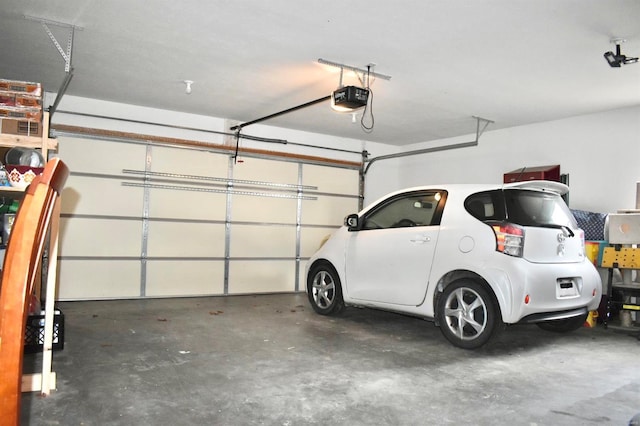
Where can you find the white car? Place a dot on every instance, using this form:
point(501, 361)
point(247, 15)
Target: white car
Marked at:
point(472, 258)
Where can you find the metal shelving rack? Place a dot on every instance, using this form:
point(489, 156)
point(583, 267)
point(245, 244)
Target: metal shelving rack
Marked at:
point(626, 259)
point(623, 254)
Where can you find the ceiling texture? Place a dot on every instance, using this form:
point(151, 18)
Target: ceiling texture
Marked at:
point(513, 62)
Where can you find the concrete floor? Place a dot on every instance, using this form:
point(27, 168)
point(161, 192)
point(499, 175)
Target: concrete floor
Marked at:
point(270, 360)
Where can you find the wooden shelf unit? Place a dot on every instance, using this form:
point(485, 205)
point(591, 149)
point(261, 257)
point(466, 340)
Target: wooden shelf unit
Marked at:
point(43, 142)
point(45, 381)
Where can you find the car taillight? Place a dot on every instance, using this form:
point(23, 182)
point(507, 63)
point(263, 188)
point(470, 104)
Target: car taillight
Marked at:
point(582, 243)
point(509, 239)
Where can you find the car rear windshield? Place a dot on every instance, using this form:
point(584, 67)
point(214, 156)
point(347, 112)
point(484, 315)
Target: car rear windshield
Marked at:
point(522, 207)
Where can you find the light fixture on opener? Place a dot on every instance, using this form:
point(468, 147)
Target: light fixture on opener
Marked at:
point(350, 98)
point(187, 89)
point(616, 60)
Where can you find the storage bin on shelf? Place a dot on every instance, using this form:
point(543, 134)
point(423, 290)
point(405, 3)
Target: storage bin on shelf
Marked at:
point(20, 107)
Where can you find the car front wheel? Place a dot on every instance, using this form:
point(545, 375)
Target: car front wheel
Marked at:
point(324, 290)
point(467, 314)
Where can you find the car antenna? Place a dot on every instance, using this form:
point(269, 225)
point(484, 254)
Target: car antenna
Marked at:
point(517, 177)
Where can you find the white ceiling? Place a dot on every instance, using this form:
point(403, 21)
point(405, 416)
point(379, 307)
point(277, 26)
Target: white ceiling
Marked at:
point(510, 61)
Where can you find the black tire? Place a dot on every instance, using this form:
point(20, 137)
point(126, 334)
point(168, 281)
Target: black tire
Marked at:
point(324, 290)
point(564, 325)
point(468, 315)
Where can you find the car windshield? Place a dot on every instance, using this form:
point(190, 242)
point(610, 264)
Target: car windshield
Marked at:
point(536, 208)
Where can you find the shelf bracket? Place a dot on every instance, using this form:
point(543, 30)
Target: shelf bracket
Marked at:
point(65, 53)
point(481, 125)
point(480, 131)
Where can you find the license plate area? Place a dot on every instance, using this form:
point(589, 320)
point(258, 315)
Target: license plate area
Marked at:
point(566, 287)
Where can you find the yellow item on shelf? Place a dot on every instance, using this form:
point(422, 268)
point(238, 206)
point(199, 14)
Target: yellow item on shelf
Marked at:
point(624, 257)
point(591, 249)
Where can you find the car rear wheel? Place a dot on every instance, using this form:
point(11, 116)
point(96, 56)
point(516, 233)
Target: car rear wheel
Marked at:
point(564, 325)
point(324, 290)
point(467, 314)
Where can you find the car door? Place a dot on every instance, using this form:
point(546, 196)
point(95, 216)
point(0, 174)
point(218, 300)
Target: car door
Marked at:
point(389, 255)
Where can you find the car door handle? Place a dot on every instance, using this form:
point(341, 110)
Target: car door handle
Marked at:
point(419, 239)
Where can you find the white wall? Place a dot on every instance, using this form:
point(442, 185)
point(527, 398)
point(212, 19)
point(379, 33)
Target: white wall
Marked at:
point(600, 152)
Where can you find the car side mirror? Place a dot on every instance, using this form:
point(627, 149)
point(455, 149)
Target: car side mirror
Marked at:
point(352, 222)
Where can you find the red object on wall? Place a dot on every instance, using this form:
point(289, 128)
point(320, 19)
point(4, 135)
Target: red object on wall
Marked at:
point(533, 173)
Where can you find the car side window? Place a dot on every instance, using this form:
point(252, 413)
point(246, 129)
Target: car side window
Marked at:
point(486, 206)
point(407, 210)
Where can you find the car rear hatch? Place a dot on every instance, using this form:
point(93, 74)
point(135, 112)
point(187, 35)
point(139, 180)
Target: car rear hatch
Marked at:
point(550, 233)
point(543, 245)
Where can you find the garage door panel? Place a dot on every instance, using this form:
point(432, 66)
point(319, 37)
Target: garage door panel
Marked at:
point(184, 204)
point(261, 170)
point(184, 278)
point(186, 239)
point(261, 276)
point(328, 210)
point(100, 237)
point(98, 279)
point(189, 162)
point(196, 241)
point(98, 156)
point(263, 241)
point(89, 195)
point(331, 179)
point(263, 209)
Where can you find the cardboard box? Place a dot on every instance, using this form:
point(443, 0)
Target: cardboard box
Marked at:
point(21, 128)
point(20, 100)
point(25, 87)
point(21, 113)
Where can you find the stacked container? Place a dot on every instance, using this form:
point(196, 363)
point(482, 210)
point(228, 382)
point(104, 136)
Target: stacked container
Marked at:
point(21, 107)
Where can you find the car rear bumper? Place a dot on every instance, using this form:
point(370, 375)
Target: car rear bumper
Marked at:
point(552, 316)
point(538, 292)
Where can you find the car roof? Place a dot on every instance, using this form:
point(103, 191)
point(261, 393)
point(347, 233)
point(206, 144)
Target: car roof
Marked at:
point(535, 185)
point(465, 189)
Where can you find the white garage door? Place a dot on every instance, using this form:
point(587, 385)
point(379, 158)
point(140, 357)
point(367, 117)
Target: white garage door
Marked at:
point(145, 220)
